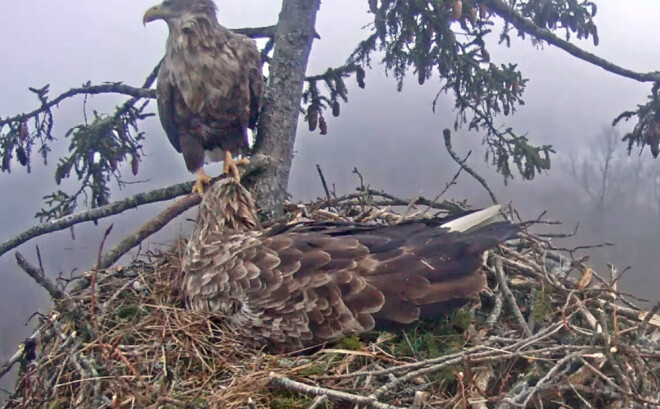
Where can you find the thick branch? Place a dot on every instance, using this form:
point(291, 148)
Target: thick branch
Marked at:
point(157, 195)
point(278, 120)
point(149, 228)
point(113, 88)
point(524, 25)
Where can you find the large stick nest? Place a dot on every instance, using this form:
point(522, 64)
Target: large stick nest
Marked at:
point(548, 332)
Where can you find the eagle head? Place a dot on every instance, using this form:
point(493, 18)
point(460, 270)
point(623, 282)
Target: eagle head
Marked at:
point(227, 205)
point(172, 10)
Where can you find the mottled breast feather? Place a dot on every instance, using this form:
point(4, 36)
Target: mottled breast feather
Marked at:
point(305, 284)
point(209, 88)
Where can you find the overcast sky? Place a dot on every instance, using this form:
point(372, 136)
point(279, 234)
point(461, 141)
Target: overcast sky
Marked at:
point(393, 138)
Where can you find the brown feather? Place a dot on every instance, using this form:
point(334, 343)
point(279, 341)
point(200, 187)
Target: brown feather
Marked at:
point(299, 285)
point(210, 83)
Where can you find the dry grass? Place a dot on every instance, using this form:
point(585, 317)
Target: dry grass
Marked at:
point(547, 333)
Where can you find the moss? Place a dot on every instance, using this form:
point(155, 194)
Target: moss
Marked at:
point(351, 343)
point(58, 404)
point(461, 319)
point(86, 333)
point(288, 400)
point(200, 403)
point(543, 306)
point(445, 376)
point(127, 312)
point(312, 370)
point(434, 337)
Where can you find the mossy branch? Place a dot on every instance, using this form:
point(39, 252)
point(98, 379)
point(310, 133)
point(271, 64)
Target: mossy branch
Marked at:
point(153, 196)
point(149, 228)
point(156, 195)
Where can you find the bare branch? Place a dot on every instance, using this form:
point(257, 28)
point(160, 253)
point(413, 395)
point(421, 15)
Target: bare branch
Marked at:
point(149, 228)
point(257, 32)
point(447, 135)
point(39, 276)
point(323, 182)
point(389, 200)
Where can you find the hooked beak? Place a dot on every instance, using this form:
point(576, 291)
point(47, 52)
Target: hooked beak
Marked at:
point(154, 13)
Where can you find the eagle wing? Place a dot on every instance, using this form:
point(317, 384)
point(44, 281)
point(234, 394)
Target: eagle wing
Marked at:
point(165, 90)
point(209, 91)
point(314, 284)
point(252, 60)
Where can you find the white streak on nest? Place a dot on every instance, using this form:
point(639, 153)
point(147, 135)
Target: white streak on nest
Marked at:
point(427, 264)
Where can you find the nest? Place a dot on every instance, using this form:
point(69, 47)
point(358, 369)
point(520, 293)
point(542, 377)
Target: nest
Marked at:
point(548, 332)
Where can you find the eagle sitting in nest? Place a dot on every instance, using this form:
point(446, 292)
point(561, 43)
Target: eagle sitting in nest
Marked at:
point(300, 285)
point(209, 89)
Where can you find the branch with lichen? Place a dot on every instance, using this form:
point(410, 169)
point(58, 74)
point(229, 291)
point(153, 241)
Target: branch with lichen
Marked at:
point(366, 401)
point(148, 229)
point(153, 196)
point(40, 277)
point(257, 32)
point(132, 202)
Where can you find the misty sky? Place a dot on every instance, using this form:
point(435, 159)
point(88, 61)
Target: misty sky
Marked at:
point(393, 138)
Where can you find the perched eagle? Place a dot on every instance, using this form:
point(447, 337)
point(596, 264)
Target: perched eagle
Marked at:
point(310, 283)
point(209, 86)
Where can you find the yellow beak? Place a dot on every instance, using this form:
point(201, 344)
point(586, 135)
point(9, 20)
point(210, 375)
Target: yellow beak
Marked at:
point(154, 13)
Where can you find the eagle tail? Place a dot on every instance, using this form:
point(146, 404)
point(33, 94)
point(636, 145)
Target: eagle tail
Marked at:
point(473, 220)
point(438, 272)
point(462, 289)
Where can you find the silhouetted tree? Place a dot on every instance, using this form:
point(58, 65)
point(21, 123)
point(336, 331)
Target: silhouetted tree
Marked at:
point(613, 181)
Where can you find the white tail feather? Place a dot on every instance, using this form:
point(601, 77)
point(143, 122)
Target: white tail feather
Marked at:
point(472, 220)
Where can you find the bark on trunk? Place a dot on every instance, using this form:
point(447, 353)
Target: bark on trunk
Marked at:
point(276, 131)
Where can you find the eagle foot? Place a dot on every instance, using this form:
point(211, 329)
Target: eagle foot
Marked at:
point(230, 166)
point(203, 180)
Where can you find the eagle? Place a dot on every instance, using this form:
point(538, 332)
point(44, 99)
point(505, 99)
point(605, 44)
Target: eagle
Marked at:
point(304, 284)
point(209, 89)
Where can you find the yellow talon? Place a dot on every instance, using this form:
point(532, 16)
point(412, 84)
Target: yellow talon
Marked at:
point(230, 166)
point(202, 181)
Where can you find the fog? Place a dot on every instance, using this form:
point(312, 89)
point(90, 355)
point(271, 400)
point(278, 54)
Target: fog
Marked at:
point(393, 138)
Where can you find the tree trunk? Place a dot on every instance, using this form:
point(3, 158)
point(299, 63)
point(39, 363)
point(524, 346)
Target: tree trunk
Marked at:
point(276, 133)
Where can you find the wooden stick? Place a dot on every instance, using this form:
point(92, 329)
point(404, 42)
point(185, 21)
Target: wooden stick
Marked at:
point(292, 385)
